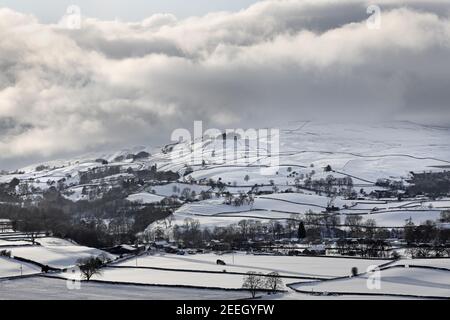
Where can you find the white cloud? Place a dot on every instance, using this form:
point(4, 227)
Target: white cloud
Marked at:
point(114, 83)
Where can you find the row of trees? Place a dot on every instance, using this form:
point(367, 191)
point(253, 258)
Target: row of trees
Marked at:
point(239, 200)
point(366, 248)
point(237, 235)
point(426, 251)
point(330, 185)
point(358, 237)
point(311, 227)
point(255, 282)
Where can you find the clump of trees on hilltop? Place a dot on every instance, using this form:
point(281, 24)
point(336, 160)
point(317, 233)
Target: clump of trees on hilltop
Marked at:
point(433, 184)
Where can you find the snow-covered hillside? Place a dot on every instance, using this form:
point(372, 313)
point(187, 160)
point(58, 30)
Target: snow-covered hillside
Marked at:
point(355, 155)
point(364, 151)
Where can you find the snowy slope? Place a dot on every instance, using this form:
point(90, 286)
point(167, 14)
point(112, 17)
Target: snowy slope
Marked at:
point(369, 152)
point(13, 268)
point(398, 281)
point(288, 205)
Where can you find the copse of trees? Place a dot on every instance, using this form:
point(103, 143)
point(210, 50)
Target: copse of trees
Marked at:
point(36, 220)
point(84, 221)
point(154, 174)
point(330, 185)
point(319, 226)
point(141, 155)
point(429, 239)
point(7, 191)
point(365, 248)
point(5, 253)
point(98, 173)
point(54, 221)
point(239, 200)
point(42, 168)
point(433, 184)
point(190, 233)
point(445, 216)
point(427, 232)
point(354, 223)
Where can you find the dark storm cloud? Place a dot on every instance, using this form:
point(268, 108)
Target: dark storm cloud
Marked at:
point(114, 83)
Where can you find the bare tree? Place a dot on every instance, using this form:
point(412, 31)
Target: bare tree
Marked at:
point(354, 224)
point(253, 282)
point(273, 281)
point(89, 267)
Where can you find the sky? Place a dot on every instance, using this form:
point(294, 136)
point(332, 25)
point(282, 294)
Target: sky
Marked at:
point(129, 75)
point(50, 11)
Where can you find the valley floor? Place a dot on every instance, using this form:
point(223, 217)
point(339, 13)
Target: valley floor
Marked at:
point(163, 276)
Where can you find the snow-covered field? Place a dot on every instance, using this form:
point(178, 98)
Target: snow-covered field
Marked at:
point(8, 243)
point(197, 270)
point(285, 265)
point(293, 295)
point(399, 218)
point(160, 277)
point(129, 280)
point(55, 252)
point(365, 151)
point(300, 203)
point(281, 206)
point(437, 263)
point(44, 288)
point(144, 198)
point(175, 189)
point(394, 281)
point(13, 268)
